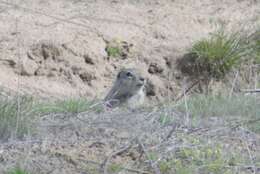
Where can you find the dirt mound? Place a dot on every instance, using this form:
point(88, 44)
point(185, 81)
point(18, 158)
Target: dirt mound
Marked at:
point(69, 48)
point(47, 59)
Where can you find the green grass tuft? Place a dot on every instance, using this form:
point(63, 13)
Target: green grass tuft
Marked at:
point(219, 54)
point(115, 168)
point(165, 119)
point(215, 57)
point(256, 45)
point(221, 105)
point(113, 51)
point(199, 157)
point(16, 115)
point(17, 170)
point(70, 105)
point(238, 106)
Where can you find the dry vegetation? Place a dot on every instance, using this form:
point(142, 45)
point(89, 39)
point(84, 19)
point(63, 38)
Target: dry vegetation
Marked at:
point(199, 134)
point(209, 126)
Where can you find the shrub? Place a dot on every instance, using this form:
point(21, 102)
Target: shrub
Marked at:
point(214, 57)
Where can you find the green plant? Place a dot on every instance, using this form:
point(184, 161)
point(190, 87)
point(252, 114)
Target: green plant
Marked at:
point(214, 57)
point(258, 50)
point(117, 48)
point(114, 48)
point(201, 105)
point(115, 168)
point(212, 158)
point(16, 115)
point(17, 170)
point(152, 156)
point(202, 158)
point(255, 41)
point(165, 119)
point(70, 105)
point(219, 54)
point(238, 106)
point(165, 166)
point(113, 51)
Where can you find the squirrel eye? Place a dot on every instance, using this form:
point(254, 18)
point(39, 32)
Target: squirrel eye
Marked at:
point(129, 74)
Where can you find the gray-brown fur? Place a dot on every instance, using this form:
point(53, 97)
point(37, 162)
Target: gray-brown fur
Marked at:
point(128, 85)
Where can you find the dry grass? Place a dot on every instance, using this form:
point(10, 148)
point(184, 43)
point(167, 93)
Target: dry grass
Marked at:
point(16, 117)
point(217, 138)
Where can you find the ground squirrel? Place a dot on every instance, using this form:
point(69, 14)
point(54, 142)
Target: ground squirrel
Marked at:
point(128, 89)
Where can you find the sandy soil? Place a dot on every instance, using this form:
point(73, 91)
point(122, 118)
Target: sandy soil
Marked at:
point(58, 48)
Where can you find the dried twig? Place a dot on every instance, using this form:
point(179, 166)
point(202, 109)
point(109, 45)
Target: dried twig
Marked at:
point(124, 168)
point(250, 90)
point(250, 156)
point(174, 127)
point(153, 165)
point(104, 165)
point(233, 84)
point(187, 90)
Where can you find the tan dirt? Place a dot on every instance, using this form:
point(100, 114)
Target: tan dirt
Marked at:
point(58, 48)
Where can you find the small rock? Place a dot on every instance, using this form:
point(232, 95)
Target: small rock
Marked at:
point(44, 50)
point(134, 155)
point(86, 76)
point(29, 67)
point(154, 68)
point(50, 50)
point(51, 74)
point(40, 72)
point(9, 62)
point(97, 144)
point(75, 69)
point(188, 65)
point(150, 88)
point(88, 60)
point(67, 73)
point(168, 61)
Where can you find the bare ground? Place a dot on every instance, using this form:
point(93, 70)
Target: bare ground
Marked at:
point(58, 48)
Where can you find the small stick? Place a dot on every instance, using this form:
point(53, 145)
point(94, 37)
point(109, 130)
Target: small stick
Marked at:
point(104, 165)
point(250, 90)
point(233, 85)
point(154, 166)
point(174, 127)
point(186, 91)
point(125, 168)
